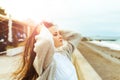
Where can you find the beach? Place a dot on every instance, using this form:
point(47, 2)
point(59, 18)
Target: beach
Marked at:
point(94, 54)
point(105, 67)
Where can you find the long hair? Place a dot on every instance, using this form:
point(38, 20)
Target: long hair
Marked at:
point(27, 70)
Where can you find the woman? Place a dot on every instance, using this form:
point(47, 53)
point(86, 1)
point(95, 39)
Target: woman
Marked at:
point(47, 56)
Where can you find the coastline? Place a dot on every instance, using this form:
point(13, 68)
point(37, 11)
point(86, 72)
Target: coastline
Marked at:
point(107, 69)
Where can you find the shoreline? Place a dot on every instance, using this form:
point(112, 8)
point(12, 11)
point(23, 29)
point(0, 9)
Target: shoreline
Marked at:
point(107, 69)
point(111, 52)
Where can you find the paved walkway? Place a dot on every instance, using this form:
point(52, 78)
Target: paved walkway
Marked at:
point(8, 64)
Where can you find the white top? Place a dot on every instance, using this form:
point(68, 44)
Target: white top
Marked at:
point(64, 68)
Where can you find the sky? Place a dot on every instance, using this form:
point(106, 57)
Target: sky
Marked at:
point(88, 17)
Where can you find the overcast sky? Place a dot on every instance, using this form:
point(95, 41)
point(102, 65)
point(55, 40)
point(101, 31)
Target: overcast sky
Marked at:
point(89, 17)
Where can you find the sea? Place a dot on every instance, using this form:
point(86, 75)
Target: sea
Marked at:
point(110, 42)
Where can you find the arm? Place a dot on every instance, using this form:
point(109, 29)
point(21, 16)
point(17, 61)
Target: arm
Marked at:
point(44, 52)
point(72, 40)
point(71, 36)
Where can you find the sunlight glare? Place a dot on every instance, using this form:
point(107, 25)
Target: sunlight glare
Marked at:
point(35, 9)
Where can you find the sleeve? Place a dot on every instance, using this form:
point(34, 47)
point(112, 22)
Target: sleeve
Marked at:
point(69, 50)
point(72, 39)
point(71, 36)
point(66, 49)
point(44, 49)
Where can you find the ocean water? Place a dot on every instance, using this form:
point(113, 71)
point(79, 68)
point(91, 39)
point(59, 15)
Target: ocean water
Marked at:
point(106, 38)
point(112, 43)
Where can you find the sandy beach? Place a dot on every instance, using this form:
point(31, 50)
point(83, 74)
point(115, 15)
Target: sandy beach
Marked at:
point(106, 68)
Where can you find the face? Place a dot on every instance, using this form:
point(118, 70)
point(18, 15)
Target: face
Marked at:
point(58, 41)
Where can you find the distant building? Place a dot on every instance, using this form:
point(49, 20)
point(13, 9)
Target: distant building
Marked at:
point(19, 32)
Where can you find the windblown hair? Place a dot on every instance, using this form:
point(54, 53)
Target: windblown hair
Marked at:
point(27, 70)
